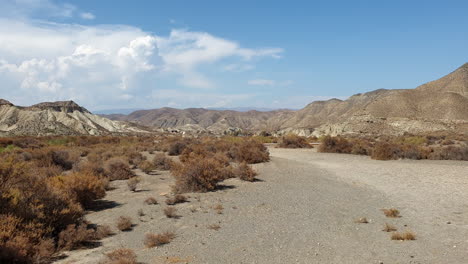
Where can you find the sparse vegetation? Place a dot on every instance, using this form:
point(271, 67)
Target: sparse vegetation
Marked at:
point(121, 256)
point(215, 227)
point(151, 200)
point(408, 235)
point(335, 145)
point(124, 223)
point(244, 172)
point(178, 198)
point(362, 220)
point(170, 212)
point(156, 240)
point(294, 141)
point(392, 212)
point(389, 228)
point(161, 162)
point(132, 183)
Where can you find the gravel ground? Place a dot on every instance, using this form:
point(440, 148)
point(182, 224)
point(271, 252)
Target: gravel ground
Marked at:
point(303, 209)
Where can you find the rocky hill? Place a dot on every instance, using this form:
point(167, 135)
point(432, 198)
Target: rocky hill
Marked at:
point(56, 118)
point(438, 105)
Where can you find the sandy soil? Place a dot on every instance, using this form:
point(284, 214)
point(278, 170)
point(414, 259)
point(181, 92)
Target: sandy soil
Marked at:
point(303, 210)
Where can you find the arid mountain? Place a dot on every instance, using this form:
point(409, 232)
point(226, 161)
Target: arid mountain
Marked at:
point(437, 105)
point(56, 118)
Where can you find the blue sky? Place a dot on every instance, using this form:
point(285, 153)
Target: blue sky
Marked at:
point(274, 54)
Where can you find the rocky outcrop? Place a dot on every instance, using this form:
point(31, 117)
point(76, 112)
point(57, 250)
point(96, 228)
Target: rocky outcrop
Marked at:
point(56, 118)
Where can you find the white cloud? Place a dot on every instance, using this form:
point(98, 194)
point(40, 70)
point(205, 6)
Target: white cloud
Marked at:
point(33, 8)
point(235, 67)
point(110, 63)
point(182, 99)
point(262, 82)
point(87, 16)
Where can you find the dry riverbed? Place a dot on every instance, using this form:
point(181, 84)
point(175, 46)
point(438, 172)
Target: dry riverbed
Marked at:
point(303, 209)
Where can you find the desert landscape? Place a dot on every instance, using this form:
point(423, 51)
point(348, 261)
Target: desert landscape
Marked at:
point(233, 132)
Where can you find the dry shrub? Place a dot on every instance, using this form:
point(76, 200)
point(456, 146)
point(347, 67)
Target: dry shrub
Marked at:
point(360, 147)
point(156, 240)
point(162, 162)
point(450, 153)
point(103, 231)
point(133, 183)
point(335, 145)
point(121, 256)
point(198, 175)
point(389, 228)
point(170, 212)
point(124, 223)
point(392, 212)
point(75, 236)
point(294, 141)
point(385, 151)
point(177, 147)
point(251, 152)
point(178, 198)
point(83, 187)
point(118, 169)
point(244, 172)
point(147, 166)
point(219, 208)
point(408, 235)
point(151, 200)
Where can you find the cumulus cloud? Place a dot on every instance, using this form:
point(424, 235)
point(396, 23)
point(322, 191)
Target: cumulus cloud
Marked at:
point(110, 63)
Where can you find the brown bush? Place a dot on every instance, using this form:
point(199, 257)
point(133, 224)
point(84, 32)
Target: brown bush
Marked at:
point(244, 172)
point(118, 169)
point(335, 145)
point(198, 175)
point(156, 240)
point(133, 183)
point(392, 212)
point(75, 236)
point(147, 166)
point(178, 198)
point(294, 141)
point(103, 231)
point(162, 162)
point(408, 235)
point(177, 148)
point(251, 152)
point(170, 212)
point(121, 256)
point(151, 200)
point(83, 188)
point(385, 151)
point(124, 223)
point(450, 153)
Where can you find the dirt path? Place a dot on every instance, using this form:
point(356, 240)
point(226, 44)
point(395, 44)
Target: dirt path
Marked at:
point(303, 211)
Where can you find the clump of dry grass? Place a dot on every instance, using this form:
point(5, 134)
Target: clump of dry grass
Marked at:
point(151, 200)
point(121, 256)
point(389, 228)
point(178, 198)
point(335, 145)
point(408, 235)
point(170, 212)
point(133, 183)
point(118, 169)
point(362, 220)
point(124, 223)
point(155, 240)
point(392, 212)
point(146, 166)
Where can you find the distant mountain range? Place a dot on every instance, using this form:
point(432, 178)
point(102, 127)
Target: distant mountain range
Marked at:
point(440, 105)
point(437, 105)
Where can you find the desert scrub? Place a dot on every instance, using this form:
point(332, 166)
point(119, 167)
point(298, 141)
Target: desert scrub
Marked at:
point(118, 169)
point(178, 198)
point(151, 200)
point(294, 141)
point(408, 235)
point(392, 212)
point(198, 175)
point(121, 256)
point(334, 145)
point(156, 240)
point(161, 162)
point(244, 172)
point(170, 212)
point(133, 183)
point(124, 223)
